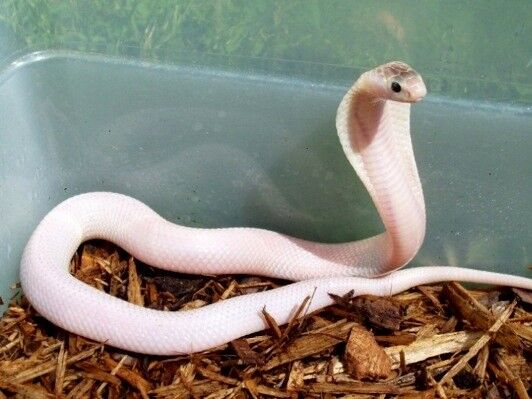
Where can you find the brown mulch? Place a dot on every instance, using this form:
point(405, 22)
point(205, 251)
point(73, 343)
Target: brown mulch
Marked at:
point(441, 341)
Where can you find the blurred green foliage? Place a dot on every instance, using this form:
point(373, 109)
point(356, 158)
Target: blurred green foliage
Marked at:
point(475, 50)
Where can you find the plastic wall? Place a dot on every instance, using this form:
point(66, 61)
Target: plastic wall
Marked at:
point(222, 114)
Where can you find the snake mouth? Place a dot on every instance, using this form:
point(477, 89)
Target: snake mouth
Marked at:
point(417, 94)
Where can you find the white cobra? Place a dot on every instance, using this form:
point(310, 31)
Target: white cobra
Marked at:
point(373, 124)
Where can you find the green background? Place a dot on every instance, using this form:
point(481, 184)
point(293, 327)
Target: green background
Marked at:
point(472, 50)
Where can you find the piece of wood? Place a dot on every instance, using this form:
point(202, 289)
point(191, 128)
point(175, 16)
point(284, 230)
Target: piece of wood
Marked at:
point(131, 377)
point(354, 387)
point(296, 377)
point(134, 294)
point(470, 309)
point(246, 354)
point(513, 379)
point(434, 346)
point(364, 358)
point(312, 343)
point(48, 367)
point(477, 346)
point(379, 312)
point(60, 371)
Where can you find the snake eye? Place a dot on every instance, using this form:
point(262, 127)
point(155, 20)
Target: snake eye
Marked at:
point(396, 87)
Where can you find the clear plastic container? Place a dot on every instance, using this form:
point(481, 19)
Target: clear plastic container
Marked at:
point(222, 114)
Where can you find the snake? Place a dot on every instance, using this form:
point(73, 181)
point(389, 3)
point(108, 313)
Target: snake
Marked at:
point(373, 126)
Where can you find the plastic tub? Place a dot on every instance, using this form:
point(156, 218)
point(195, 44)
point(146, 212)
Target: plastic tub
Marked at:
point(224, 140)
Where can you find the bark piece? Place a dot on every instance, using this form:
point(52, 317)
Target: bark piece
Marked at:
point(364, 358)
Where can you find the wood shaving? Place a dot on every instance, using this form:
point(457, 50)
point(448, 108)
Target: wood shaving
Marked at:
point(439, 341)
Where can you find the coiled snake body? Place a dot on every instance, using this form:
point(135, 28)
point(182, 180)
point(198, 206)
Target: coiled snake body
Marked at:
point(373, 124)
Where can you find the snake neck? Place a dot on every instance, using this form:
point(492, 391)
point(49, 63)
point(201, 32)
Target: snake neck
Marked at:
point(375, 136)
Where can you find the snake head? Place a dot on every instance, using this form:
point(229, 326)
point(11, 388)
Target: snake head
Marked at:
point(397, 81)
